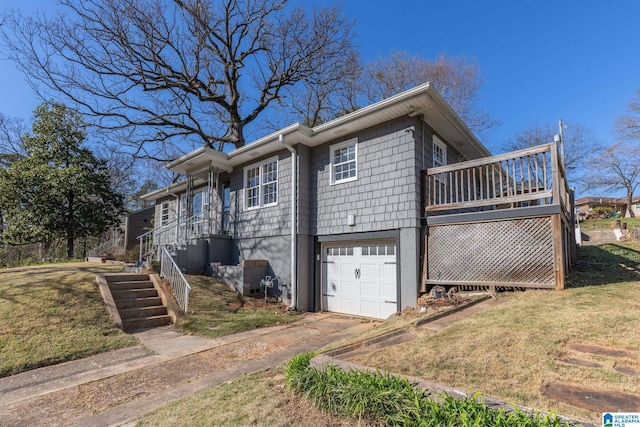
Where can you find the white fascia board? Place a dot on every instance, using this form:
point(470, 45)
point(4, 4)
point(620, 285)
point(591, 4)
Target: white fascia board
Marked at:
point(200, 159)
point(369, 109)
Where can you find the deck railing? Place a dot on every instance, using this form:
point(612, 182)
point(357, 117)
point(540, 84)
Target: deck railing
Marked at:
point(532, 176)
point(180, 287)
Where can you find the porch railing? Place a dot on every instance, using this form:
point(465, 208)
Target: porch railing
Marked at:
point(177, 233)
point(532, 176)
point(180, 287)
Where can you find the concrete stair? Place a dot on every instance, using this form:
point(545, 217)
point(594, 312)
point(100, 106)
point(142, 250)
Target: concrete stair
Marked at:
point(137, 301)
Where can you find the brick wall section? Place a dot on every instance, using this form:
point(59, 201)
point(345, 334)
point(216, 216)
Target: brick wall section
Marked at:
point(384, 196)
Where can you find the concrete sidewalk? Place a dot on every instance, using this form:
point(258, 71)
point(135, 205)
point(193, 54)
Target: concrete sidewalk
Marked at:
point(49, 396)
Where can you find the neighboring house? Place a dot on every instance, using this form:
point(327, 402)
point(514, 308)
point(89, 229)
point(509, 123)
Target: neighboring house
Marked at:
point(338, 210)
point(124, 236)
point(135, 224)
point(585, 206)
point(635, 207)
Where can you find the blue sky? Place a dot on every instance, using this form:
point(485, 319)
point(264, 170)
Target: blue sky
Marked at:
point(540, 60)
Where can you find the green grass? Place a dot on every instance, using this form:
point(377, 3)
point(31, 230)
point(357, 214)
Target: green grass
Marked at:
point(261, 399)
point(514, 349)
point(390, 400)
point(608, 223)
point(510, 351)
point(215, 310)
point(54, 313)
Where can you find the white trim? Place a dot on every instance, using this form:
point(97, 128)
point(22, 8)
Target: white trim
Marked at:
point(164, 214)
point(437, 142)
point(332, 150)
point(261, 184)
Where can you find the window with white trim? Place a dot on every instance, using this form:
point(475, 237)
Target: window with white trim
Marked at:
point(440, 159)
point(164, 214)
point(261, 184)
point(439, 152)
point(344, 161)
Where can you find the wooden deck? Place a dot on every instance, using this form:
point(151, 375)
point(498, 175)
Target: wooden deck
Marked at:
point(501, 221)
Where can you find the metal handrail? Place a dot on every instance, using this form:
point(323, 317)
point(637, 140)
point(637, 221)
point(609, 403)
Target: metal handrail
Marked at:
point(180, 287)
point(176, 232)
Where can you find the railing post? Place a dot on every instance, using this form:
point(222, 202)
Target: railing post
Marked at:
point(555, 174)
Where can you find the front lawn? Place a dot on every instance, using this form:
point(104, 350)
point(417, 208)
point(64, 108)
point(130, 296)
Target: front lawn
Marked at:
point(215, 310)
point(517, 348)
point(510, 351)
point(54, 313)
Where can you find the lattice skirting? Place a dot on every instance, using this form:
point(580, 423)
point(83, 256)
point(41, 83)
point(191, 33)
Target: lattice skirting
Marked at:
point(510, 251)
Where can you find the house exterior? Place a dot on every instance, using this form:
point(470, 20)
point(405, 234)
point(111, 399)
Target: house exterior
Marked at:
point(337, 211)
point(586, 205)
point(135, 224)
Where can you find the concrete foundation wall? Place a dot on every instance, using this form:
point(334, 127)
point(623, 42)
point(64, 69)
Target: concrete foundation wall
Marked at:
point(277, 251)
point(193, 259)
point(409, 266)
point(243, 279)
point(306, 261)
point(222, 250)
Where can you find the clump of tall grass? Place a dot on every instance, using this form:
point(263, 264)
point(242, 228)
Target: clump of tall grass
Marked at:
point(384, 399)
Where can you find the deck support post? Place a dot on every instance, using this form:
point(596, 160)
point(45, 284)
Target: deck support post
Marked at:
point(558, 249)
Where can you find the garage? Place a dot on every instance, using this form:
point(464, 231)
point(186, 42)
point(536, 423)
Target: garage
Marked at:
point(360, 279)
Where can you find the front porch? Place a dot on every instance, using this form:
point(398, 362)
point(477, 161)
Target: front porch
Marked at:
point(501, 221)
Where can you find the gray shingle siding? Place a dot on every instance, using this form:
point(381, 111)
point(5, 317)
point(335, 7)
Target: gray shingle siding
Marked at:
point(384, 196)
point(265, 221)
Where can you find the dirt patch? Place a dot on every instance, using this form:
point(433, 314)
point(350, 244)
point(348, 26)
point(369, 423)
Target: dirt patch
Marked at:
point(592, 399)
point(579, 362)
point(436, 302)
point(627, 371)
point(602, 351)
point(64, 406)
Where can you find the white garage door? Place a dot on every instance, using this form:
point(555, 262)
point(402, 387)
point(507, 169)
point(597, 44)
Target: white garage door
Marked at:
point(360, 279)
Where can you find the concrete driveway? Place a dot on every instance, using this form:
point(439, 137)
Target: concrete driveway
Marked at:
point(114, 388)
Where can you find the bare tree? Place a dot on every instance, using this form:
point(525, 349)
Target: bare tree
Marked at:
point(580, 144)
point(617, 168)
point(456, 78)
point(328, 92)
point(164, 72)
point(628, 126)
point(11, 144)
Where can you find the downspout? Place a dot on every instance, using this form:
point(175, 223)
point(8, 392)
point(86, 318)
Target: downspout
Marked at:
point(294, 226)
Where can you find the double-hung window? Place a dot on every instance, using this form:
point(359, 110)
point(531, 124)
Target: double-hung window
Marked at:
point(344, 161)
point(440, 159)
point(439, 152)
point(261, 184)
point(164, 214)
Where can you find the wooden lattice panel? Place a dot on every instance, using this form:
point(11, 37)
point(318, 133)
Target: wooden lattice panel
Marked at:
point(510, 251)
